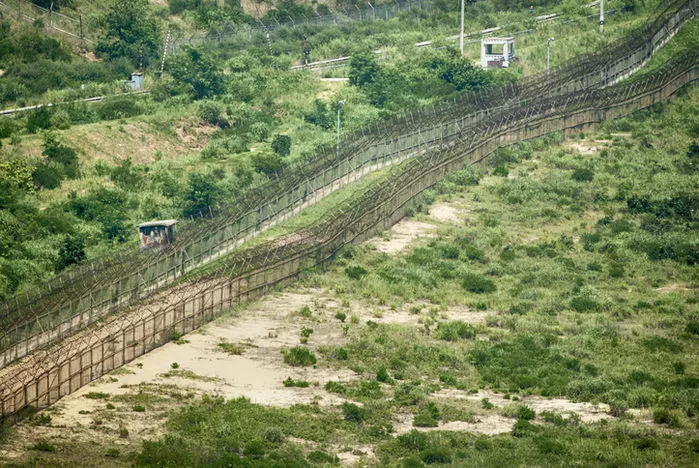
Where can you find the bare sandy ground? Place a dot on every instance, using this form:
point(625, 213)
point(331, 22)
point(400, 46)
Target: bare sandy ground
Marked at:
point(174, 374)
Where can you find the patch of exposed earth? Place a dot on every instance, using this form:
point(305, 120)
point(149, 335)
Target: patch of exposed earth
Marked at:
point(402, 234)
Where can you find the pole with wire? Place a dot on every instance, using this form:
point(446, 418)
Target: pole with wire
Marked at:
point(461, 34)
point(339, 106)
point(548, 57)
point(601, 16)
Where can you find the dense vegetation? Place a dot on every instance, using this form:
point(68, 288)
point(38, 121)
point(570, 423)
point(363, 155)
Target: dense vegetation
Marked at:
point(580, 305)
point(258, 115)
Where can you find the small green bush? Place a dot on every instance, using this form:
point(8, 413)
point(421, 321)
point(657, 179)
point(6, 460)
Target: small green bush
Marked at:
point(353, 413)
point(318, 456)
point(289, 382)
point(267, 163)
point(274, 435)
point(455, 330)
point(355, 272)
point(305, 311)
point(692, 327)
point(582, 174)
point(501, 171)
point(477, 284)
point(299, 356)
point(97, 395)
point(281, 145)
point(427, 416)
point(382, 376)
point(139, 408)
point(341, 316)
point(525, 412)
point(43, 446)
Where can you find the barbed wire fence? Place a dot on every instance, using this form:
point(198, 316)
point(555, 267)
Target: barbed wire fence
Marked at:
point(51, 374)
point(73, 301)
point(76, 30)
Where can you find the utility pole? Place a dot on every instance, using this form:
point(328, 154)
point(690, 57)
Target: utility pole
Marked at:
point(461, 34)
point(601, 16)
point(339, 106)
point(373, 11)
point(548, 57)
point(167, 43)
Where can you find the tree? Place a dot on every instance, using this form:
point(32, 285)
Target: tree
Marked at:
point(281, 145)
point(363, 69)
point(131, 31)
point(202, 193)
point(61, 154)
point(72, 252)
point(201, 75)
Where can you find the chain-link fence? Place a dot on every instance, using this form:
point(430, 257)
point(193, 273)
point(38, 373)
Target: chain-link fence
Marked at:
point(47, 376)
point(76, 299)
point(73, 29)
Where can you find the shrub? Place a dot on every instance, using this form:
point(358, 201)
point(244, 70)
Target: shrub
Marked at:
point(501, 171)
point(341, 354)
point(584, 304)
point(455, 330)
point(305, 311)
point(439, 454)
point(260, 131)
point(382, 376)
point(477, 283)
point(525, 412)
point(299, 356)
point(174, 365)
point(139, 408)
point(61, 154)
point(353, 413)
point(118, 108)
point(274, 435)
point(341, 316)
point(665, 416)
point(355, 272)
point(427, 416)
point(660, 343)
point(318, 456)
point(97, 395)
point(43, 446)
point(281, 145)
point(486, 404)
point(320, 116)
point(582, 174)
point(267, 163)
point(72, 252)
point(48, 175)
point(692, 327)
point(212, 113)
point(39, 119)
point(289, 382)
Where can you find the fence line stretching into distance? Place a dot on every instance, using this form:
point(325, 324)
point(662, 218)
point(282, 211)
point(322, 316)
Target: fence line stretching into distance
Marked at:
point(246, 274)
point(53, 22)
point(96, 290)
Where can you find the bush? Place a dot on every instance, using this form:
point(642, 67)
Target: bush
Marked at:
point(353, 413)
point(320, 116)
point(355, 272)
point(428, 416)
point(382, 376)
point(281, 145)
point(455, 330)
point(692, 327)
point(341, 316)
point(665, 416)
point(501, 171)
point(274, 435)
point(212, 113)
point(72, 252)
point(267, 163)
point(584, 304)
point(118, 108)
point(525, 412)
point(477, 284)
point(39, 119)
point(289, 382)
point(299, 356)
point(582, 174)
point(48, 175)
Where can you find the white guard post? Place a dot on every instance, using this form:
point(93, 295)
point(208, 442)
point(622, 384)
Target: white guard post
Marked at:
point(492, 59)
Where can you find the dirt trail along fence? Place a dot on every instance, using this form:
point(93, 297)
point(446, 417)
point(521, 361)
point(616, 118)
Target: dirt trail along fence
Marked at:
point(48, 375)
point(74, 300)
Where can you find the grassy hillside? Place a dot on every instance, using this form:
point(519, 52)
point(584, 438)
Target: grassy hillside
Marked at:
point(565, 272)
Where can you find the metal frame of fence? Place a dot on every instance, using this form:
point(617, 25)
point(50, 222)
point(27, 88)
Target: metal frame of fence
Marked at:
point(74, 301)
point(49, 375)
point(54, 22)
